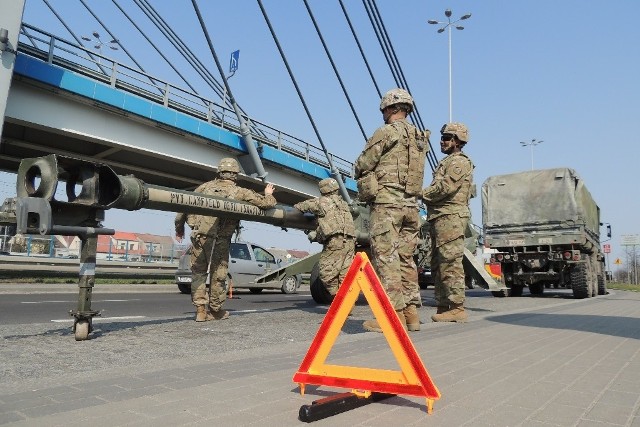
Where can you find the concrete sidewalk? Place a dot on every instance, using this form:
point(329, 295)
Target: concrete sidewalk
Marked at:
point(572, 364)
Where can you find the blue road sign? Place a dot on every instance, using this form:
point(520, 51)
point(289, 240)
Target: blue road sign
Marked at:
point(233, 63)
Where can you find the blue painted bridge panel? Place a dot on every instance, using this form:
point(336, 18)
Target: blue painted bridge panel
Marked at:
point(84, 86)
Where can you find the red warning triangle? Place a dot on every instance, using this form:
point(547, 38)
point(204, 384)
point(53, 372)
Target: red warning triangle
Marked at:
point(412, 379)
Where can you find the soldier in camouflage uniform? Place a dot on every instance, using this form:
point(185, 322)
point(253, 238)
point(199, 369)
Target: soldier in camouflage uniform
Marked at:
point(390, 173)
point(447, 200)
point(335, 231)
point(211, 238)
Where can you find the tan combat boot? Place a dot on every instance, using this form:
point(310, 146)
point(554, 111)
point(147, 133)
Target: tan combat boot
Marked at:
point(374, 326)
point(440, 309)
point(202, 315)
point(455, 314)
point(219, 314)
point(411, 317)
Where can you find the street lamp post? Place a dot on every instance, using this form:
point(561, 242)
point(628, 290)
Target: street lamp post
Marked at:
point(531, 144)
point(113, 44)
point(447, 26)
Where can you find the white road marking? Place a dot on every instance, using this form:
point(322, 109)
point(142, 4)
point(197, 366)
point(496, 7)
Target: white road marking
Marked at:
point(71, 301)
point(97, 319)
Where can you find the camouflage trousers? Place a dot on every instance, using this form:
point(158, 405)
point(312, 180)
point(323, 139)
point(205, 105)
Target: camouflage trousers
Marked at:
point(447, 250)
point(202, 245)
point(335, 260)
point(394, 237)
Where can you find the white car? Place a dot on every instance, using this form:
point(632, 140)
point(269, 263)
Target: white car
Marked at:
point(247, 262)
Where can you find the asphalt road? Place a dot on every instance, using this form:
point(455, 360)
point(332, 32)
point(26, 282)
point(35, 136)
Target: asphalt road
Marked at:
point(115, 305)
point(153, 324)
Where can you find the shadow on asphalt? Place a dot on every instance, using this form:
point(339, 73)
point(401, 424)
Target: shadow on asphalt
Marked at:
point(626, 327)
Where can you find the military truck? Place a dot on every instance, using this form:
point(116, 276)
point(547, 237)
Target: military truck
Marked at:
point(545, 227)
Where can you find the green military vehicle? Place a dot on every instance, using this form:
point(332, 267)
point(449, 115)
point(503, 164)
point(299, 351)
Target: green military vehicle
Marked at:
point(545, 228)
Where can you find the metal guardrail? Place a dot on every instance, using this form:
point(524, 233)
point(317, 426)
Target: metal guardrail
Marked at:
point(69, 267)
point(63, 53)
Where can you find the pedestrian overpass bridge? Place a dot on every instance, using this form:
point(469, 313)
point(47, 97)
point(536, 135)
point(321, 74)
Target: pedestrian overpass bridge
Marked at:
point(67, 100)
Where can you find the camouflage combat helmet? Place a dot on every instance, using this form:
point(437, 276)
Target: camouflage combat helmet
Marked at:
point(229, 165)
point(328, 185)
point(457, 129)
point(396, 96)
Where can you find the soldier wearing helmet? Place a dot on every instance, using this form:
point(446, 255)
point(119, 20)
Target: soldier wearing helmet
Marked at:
point(211, 239)
point(447, 201)
point(390, 172)
point(335, 231)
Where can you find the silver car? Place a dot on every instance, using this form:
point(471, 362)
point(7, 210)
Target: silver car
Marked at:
point(247, 262)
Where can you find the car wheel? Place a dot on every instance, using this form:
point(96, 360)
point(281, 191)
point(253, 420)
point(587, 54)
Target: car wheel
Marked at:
point(289, 285)
point(184, 288)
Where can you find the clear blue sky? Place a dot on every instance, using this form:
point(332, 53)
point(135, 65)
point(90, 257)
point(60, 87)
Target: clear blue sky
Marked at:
point(562, 72)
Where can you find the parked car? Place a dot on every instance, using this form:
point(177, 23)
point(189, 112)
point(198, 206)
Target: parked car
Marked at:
point(247, 262)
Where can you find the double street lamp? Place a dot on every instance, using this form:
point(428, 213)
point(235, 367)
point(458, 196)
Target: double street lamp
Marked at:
point(531, 144)
point(113, 44)
point(448, 25)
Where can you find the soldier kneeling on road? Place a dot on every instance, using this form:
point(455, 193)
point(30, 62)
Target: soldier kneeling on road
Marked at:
point(335, 231)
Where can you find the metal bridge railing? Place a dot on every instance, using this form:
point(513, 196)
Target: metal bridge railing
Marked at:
point(55, 50)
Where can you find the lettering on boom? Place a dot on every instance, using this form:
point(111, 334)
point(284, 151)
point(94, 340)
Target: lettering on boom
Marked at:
point(205, 202)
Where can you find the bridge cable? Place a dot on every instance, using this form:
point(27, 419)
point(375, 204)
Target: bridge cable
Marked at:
point(394, 65)
point(112, 36)
point(154, 46)
point(72, 35)
point(244, 129)
point(335, 173)
point(189, 56)
point(431, 155)
point(335, 70)
point(179, 45)
point(364, 58)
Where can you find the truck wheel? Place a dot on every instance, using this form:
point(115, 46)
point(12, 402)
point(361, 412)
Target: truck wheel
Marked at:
point(579, 281)
point(319, 292)
point(184, 288)
point(536, 288)
point(602, 285)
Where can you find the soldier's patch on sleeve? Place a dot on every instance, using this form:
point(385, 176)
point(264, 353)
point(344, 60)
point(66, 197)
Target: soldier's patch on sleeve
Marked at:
point(457, 170)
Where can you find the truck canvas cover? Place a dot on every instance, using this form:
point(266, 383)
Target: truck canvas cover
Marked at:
point(553, 197)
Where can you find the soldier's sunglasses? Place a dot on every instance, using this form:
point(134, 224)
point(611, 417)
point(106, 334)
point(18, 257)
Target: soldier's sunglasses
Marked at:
point(447, 137)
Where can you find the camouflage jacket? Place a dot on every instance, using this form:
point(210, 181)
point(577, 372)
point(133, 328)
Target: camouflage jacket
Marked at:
point(334, 216)
point(221, 227)
point(395, 154)
point(450, 189)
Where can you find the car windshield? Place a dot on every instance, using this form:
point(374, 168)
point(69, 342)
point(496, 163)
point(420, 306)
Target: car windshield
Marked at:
point(262, 255)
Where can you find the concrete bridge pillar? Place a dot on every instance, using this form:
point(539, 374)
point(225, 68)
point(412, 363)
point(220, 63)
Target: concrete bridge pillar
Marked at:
point(10, 20)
